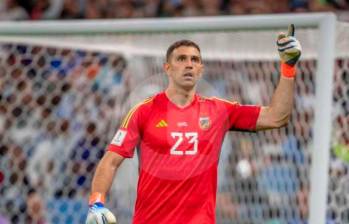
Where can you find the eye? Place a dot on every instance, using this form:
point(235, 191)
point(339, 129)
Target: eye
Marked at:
point(195, 59)
point(181, 58)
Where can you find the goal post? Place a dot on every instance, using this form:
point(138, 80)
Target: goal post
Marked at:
point(126, 37)
point(323, 120)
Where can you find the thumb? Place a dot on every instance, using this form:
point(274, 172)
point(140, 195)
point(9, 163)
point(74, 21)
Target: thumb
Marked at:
point(291, 30)
point(281, 35)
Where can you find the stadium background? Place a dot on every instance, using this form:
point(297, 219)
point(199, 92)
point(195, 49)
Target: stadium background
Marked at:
point(49, 148)
point(100, 9)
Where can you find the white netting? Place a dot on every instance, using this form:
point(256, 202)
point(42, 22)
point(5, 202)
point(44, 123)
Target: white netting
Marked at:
point(62, 100)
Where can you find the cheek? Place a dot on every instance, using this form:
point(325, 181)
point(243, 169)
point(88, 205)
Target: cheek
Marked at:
point(171, 68)
point(173, 74)
point(200, 70)
point(175, 71)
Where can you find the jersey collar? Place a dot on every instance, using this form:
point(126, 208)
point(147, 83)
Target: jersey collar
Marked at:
point(169, 102)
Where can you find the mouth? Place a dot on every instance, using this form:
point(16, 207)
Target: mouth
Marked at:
point(188, 75)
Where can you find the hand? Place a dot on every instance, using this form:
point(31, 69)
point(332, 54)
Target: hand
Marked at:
point(98, 214)
point(289, 47)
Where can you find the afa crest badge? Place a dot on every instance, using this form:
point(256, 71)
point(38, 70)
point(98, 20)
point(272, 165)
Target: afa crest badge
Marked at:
point(204, 123)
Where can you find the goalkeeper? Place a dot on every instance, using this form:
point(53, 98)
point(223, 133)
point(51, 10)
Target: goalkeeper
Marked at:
point(179, 134)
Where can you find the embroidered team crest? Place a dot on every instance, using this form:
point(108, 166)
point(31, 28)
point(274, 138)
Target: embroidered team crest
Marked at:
point(204, 123)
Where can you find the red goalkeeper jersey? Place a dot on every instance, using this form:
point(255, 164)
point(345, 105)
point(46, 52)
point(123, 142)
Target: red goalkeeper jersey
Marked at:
point(179, 151)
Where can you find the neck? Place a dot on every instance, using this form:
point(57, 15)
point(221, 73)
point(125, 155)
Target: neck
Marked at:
point(180, 97)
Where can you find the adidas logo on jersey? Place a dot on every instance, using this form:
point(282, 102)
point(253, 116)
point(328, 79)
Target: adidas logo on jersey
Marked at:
point(161, 124)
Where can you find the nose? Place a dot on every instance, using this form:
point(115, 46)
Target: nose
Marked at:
point(189, 64)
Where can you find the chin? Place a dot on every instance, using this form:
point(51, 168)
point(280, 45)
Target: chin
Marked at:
point(188, 86)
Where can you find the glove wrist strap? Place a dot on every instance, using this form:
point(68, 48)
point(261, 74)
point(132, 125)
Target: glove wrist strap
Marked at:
point(288, 71)
point(96, 197)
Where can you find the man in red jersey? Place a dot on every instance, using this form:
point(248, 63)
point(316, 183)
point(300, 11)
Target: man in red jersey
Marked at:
point(179, 134)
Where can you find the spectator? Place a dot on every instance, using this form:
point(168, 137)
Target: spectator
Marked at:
point(299, 5)
point(11, 10)
point(72, 10)
point(211, 7)
point(190, 8)
point(151, 8)
point(95, 9)
point(46, 9)
point(35, 208)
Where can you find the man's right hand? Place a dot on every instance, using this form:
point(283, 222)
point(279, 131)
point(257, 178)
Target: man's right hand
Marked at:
point(98, 214)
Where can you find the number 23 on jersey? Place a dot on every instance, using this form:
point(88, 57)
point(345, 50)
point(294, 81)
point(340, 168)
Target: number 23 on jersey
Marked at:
point(182, 138)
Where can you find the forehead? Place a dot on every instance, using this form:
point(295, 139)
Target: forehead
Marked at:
point(186, 50)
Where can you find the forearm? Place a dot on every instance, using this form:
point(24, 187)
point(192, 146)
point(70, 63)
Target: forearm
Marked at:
point(106, 169)
point(279, 110)
point(102, 179)
point(282, 101)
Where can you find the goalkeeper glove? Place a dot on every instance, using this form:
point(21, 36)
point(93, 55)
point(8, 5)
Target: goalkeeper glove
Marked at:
point(289, 50)
point(97, 213)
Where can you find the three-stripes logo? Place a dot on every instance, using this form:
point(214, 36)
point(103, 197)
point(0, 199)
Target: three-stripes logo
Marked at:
point(161, 124)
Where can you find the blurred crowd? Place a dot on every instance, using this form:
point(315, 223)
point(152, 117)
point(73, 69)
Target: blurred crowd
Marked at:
point(54, 126)
point(101, 9)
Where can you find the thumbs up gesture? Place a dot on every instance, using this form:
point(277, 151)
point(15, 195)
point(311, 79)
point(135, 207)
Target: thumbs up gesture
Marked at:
point(289, 47)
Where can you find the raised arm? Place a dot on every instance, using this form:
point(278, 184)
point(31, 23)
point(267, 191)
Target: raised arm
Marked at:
point(278, 112)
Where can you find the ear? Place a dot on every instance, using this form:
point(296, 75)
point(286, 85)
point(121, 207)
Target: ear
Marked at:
point(166, 67)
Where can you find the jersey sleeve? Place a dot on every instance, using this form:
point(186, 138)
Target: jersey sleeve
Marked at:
point(240, 117)
point(243, 117)
point(127, 137)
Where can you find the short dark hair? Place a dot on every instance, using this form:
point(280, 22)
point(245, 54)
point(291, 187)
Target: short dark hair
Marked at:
point(177, 44)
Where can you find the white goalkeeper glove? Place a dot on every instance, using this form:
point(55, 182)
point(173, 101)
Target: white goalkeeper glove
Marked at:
point(289, 47)
point(97, 213)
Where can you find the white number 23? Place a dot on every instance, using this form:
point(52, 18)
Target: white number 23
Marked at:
point(191, 137)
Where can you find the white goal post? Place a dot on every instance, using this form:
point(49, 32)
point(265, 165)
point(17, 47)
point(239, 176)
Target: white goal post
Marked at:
point(55, 32)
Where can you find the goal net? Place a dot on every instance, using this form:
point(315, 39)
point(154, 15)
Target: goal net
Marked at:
point(64, 93)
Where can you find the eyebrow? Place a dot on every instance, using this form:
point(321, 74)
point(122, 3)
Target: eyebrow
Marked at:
point(191, 56)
